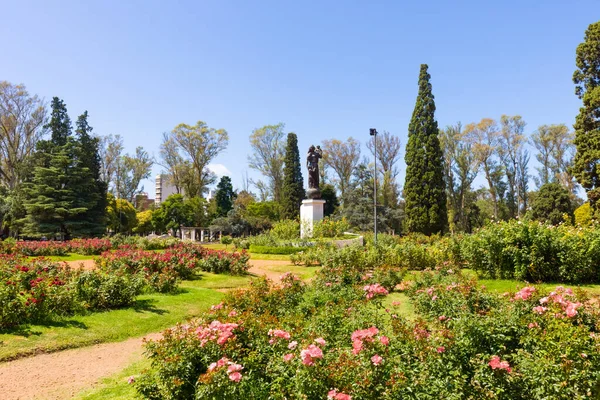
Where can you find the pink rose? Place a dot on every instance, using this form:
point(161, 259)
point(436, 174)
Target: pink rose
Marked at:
point(376, 359)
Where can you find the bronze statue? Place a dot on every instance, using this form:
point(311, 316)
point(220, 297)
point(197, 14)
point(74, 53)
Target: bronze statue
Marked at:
point(312, 164)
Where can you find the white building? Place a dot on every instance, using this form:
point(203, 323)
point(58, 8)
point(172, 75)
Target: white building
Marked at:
point(163, 189)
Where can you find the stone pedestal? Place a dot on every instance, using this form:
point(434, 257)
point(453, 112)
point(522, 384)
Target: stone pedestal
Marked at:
point(311, 211)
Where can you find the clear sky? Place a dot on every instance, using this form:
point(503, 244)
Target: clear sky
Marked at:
point(327, 69)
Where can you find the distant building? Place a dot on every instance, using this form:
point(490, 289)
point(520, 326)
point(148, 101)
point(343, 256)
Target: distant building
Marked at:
point(163, 189)
point(142, 202)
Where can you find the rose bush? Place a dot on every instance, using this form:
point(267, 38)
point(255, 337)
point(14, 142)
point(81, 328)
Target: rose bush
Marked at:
point(331, 339)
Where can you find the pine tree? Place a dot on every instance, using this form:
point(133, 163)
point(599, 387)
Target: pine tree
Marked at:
point(293, 183)
point(224, 197)
point(55, 198)
point(424, 188)
point(587, 124)
point(94, 220)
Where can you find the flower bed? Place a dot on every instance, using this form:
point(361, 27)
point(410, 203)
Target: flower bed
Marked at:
point(39, 290)
point(333, 339)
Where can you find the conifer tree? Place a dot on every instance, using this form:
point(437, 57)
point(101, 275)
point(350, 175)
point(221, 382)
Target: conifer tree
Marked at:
point(224, 197)
point(293, 183)
point(56, 197)
point(424, 188)
point(94, 220)
point(587, 124)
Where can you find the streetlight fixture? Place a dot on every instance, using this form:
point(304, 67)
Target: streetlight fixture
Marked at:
point(373, 132)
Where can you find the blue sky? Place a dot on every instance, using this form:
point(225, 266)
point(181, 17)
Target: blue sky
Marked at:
point(327, 69)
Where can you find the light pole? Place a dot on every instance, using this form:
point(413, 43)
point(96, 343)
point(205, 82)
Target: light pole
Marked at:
point(373, 132)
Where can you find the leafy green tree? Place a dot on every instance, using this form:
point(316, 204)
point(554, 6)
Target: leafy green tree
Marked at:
point(293, 183)
point(130, 170)
point(224, 197)
point(172, 214)
point(586, 166)
point(551, 203)
point(424, 188)
point(144, 222)
point(268, 152)
point(331, 200)
point(121, 214)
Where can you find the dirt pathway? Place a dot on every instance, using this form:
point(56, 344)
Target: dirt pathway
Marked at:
point(63, 374)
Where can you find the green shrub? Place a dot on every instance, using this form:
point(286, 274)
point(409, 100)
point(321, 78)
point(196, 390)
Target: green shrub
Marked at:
point(583, 215)
point(286, 230)
point(330, 228)
point(534, 252)
point(275, 249)
point(107, 290)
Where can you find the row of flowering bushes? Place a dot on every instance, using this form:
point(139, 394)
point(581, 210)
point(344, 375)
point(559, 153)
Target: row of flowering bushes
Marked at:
point(529, 250)
point(82, 246)
point(37, 290)
point(333, 339)
point(40, 290)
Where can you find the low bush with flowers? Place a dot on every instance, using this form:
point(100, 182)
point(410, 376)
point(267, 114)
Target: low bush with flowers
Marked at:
point(162, 270)
point(40, 290)
point(333, 339)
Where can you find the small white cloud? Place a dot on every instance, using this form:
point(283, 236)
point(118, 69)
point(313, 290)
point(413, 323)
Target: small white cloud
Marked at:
point(219, 169)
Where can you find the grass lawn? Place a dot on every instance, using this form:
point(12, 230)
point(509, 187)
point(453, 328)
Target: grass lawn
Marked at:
point(116, 386)
point(150, 313)
point(68, 257)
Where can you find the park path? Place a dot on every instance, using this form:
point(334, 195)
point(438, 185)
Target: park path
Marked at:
point(64, 374)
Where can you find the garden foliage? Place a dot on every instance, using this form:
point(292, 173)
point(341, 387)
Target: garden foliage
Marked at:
point(332, 338)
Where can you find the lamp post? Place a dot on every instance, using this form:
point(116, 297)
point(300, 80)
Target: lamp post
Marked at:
point(373, 132)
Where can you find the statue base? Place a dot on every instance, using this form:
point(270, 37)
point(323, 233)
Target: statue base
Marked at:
point(313, 193)
point(311, 211)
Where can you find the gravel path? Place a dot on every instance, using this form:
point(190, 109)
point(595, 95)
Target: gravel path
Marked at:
point(63, 374)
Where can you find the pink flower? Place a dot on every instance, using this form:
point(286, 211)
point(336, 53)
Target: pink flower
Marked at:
point(320, 341)
point(335, 395)
point(396, 303)
point(232, 313)
point(495, 363)
point(223, 361)
point(212, 367)
point(288, 357)
point(384, 340)
point(376, 359)
point(533, 325)
point(236, 377)
point(441, 349)
point(357, 346)
point(130, 380)
point(217, 306)
point(292, 345)
point(374, 290)
point(442, 318)
point(525, 293)
point(540, 309)
point(310, 353)
point(572, 309)
point(279, 333)
point(434, 298)
point(234, 368)
point(327, 284)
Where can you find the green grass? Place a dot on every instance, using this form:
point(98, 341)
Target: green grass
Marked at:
point(68, 257)
point(116, 386)
point(405, 309)
point(304, 273)
point(150, 313)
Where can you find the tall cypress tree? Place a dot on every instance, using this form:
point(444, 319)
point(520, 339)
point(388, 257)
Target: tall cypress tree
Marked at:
point(293, 183)
point(94, 220)
point(224, 197)
point(424, 187)
point(587, 124)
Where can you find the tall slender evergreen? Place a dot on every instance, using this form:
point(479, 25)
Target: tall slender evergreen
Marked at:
point(424, 187)
point(293, 183)
point(587, 124)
